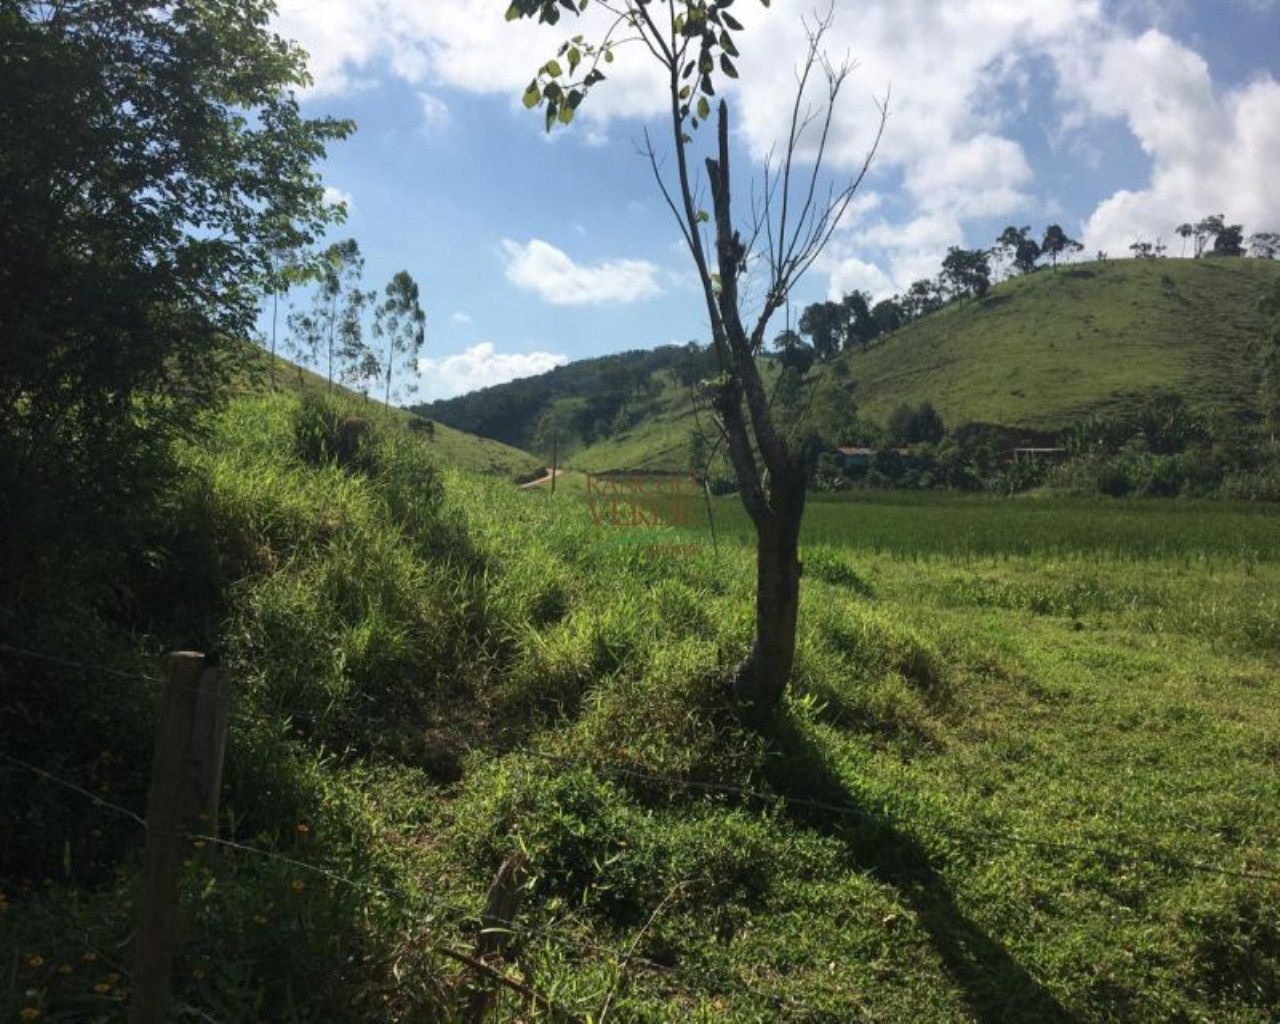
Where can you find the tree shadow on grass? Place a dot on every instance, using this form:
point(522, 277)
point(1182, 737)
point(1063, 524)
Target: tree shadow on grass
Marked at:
point(995, 987)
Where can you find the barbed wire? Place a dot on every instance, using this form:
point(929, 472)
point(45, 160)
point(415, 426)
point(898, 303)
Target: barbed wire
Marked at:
point(79, 665)
point(887, 818)
point(425, 900)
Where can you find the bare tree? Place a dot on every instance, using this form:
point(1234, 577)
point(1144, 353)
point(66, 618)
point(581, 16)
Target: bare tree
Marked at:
point(792, 218)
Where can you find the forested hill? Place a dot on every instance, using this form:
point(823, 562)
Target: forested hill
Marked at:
point(1039, 352)
point(588, 396)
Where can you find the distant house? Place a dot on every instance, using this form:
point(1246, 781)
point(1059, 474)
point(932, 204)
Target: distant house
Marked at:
point(854, 458)
point(1050, 455)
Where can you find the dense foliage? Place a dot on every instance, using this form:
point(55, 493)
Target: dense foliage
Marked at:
point(152, 159)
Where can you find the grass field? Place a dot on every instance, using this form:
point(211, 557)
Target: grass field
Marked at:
point(1027, 770)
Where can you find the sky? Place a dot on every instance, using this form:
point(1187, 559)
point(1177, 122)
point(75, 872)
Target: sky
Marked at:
point(1117, 119)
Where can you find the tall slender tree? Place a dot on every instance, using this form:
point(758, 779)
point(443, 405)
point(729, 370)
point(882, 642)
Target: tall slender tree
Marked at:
point(402, 324)
point(694, 42)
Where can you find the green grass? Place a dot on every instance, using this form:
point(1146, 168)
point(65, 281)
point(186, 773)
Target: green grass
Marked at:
point(452, 447)
point(1026, 771)
point(1046, 350)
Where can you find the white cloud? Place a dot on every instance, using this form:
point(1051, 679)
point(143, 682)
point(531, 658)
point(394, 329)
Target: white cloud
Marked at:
point(962, 73)
point(338, 197)
point(435, 112)
point(1210, 152)
point(481, 366)
point(853, 274)
point(549, 272)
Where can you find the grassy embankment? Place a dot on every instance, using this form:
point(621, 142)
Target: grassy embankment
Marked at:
point(1028, 770)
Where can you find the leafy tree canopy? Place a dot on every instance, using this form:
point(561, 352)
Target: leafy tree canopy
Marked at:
point(153, 160)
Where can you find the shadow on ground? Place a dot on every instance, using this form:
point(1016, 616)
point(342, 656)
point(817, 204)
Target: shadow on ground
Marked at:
point(995, 987)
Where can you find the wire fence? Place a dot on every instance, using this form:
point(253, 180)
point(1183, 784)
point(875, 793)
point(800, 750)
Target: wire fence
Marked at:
point(1096, 850)
point(418, 901)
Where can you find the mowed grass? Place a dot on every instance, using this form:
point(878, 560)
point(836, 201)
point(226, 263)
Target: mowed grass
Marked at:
point(1030, 776)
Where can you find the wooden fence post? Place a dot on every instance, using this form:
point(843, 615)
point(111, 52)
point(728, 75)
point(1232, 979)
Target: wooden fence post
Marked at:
point(186, 772)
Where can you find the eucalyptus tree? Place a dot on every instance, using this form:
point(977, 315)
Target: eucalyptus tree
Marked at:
point(695, 42)
point(1056, 242)
point(332, 325)
point(402, 324)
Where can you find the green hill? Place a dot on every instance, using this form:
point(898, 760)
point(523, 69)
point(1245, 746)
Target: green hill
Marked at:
point(1046, 350)
point(1038, 353)
point(452, 446)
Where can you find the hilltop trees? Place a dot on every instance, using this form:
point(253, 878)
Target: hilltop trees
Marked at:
point(153, 158)
point(1021, 252)
point(333, 324)
point(1056, 242)
point(694, 42)
point(967, 272)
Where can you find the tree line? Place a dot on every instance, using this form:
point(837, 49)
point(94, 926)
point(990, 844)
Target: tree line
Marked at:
point(330, 329)
point(855, 321)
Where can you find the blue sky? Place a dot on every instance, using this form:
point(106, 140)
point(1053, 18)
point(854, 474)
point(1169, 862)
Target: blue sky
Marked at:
point(1118, 119)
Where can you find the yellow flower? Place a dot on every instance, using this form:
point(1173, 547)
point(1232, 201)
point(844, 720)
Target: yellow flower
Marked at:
point(36, 960)
point(29, 1013)
point(89, 958)
point(302, 828)
point(102, 988)
point(298, 885)
point(198, 844)
point(64, 968)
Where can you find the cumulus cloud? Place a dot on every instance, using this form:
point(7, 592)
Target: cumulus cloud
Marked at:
point(460, 317)
point(551, 274)
point(338, 197)
point(481, 366)
point(1210, 152)
point(954, 153)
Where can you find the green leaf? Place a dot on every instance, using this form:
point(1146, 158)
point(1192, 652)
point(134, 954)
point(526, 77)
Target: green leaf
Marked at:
point(684, 93)
point(702, 217)
point(552, 69)
point(726, 65)
point(731, 22)
point(608, 56)
point(704, 108)
point(552, 110)
point(726, 43)
point(575, 58)
point(513, 13)
point(532, 96)
point(566, 114)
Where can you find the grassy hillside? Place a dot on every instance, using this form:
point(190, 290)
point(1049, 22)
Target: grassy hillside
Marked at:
point(1025, 773)
point(1045, 350)
point(454, 447)
point(1039, 353)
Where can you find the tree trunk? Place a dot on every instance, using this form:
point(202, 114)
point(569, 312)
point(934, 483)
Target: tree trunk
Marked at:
point(762, 678)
